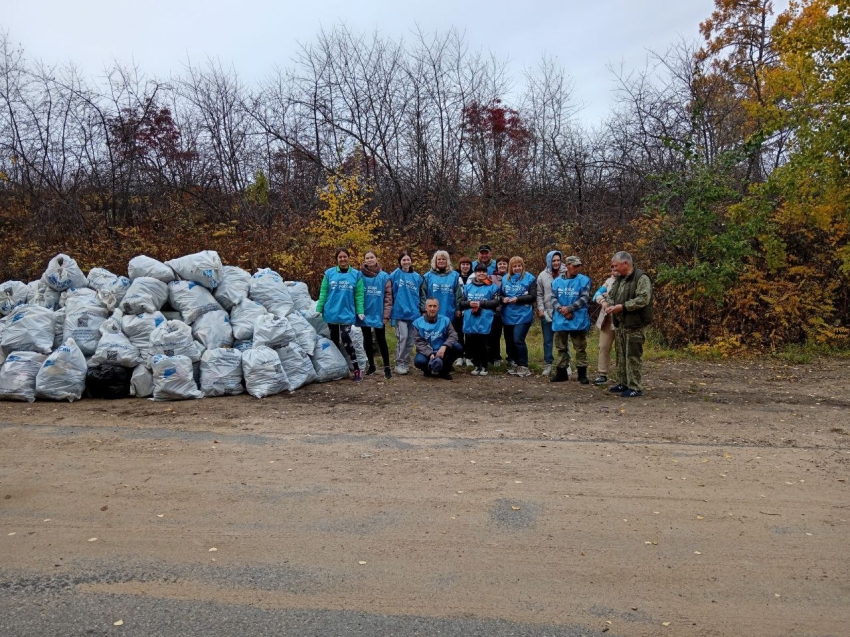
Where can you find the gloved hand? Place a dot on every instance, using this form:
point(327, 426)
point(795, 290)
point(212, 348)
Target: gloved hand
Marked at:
point(361, 317)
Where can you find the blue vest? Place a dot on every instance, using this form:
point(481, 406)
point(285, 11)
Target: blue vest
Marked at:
point(435, 333)
point(406, 287)
point(490, 268)
point(374, 289)
point(567, 292)
point(514, 285)
point(442, 287)
point(339, 305)
point(482, 321)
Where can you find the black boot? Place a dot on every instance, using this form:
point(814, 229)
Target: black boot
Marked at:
point(561, 375)
point(371, 369)
point(387, 373)
point(582, 376)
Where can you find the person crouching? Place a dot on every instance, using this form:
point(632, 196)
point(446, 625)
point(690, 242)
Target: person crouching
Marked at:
point(436, 342)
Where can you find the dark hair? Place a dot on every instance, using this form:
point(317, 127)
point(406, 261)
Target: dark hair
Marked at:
point(481, 267)
point(370, 252)
point(401, 255)
point(340, 251)
point(500, 259)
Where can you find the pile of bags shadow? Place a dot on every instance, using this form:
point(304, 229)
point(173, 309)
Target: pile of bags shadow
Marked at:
point(186, 328)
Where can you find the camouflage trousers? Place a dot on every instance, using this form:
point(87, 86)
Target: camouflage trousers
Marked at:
point(562, 344)
point(629, 353)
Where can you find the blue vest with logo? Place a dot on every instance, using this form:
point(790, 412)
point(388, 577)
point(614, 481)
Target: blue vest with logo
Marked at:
point(482, 321)
point(435, 333)
point(339, 306)
point(442, 287)
point(516, 285)
point(405, 295)
point(491, 267)
point(567, 292)
point(374, 289)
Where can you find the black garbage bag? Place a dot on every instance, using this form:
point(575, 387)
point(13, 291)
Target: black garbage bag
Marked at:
point(108, 381)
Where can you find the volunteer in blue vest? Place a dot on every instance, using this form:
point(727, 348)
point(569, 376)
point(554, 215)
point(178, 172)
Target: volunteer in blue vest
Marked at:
point(341, 304)
point(484, 257)
point(436, 342)
point(441, 283)
point(519, 294)
point(571, 320)
point(405, 285)
point(377, 308)
point(481, 298)
point(494, 341)
point(464, 270)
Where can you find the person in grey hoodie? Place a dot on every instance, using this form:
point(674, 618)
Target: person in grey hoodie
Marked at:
point(545, 305)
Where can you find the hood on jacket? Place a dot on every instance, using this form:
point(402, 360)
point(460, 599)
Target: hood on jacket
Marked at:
point(549, 258)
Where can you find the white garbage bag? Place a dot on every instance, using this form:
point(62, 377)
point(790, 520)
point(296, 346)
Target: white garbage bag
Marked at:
point(43, 295)
point(191, 300)
point(144, 266)
point(359, 350)
point(63, 273)
point(203, 268)
point(174, 338)
point(213, 330)
point(317, 321)
point(173, 378)
point(297, 365)
point(244, 316)
point(58, 327)
point(29, 328)
point(12, 294)
point(243, 345)
point(78, 295)
point(110, 288)
point(235, 286)
point(305, 335)
point(300, 294)
point(83, 318)
point(63, 375)
point(114, 347)
point(273, 332)
point(145, 294)
point(141, 382)
point(263, 372)
point(268, 288)
point(18, 374)
point(328, 362)
point(221, 372)
point(138, 328)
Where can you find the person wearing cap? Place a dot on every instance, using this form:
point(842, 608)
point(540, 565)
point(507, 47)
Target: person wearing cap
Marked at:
point(481, 298)
point(484, 257)
point(441, 283)
point(630, 305)
point(571, 320)
point(545, 308)
point(436, 342)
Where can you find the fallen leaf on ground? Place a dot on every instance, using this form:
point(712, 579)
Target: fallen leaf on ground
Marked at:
point(12, 533)
point(212, 550)
point(665, 623)
point(92, 539)
point(120, 622)
point(515, 508)
point(361, 562)
point(160, 515)
point(104, 508)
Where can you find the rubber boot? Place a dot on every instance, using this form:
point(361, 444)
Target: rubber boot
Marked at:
point(582, 376)
point(561, 375)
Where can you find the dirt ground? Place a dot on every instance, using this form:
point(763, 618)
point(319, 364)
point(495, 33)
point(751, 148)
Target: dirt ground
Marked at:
point(715, 505)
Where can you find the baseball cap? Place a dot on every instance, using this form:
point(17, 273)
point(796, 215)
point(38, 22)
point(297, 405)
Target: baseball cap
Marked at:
point(484, 248)
point(436, 365)
point(573, 260)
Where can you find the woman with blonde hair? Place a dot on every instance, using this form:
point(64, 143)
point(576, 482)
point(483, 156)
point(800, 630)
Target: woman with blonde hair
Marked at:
point(441, 282)
point(519, 293)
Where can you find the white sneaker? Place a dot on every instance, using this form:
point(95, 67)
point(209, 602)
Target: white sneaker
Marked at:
point(547, 370)
point(476, 371)
point(569, 373)
point(460, 362)
point(469, 362)
point(496, 364)
point(512, 367)
point(482, 371)
point(401, 370)
point(522, 372)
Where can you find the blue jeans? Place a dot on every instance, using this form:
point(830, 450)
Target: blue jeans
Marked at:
point(548, 340)
point(420, 361)
point(515, 341)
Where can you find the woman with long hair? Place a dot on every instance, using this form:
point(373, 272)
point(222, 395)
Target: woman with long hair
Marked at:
point(441, 283)
point(464, 270)
point(481, 298)
point(519, 293)
point(405, 288)
point(494, 340)
point(377, 308)
point(341, 303)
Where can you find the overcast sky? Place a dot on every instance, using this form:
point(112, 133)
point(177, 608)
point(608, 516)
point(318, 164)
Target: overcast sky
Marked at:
point(254, 35)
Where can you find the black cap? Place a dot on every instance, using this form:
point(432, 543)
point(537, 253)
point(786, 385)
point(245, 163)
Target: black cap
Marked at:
point(484, 248)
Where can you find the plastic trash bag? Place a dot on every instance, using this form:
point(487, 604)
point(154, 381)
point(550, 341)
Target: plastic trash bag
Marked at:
point(243, 318)
point(138, 328)
point(297, 365)
point(191, 300)
point(58, 327)
point(110, 288)
point(328, 362)
point(300, 294)
point(203, 268)
point(12, 294)
point(141, 382)
point(268, 288)
point(273, 332)
point(305, 335)
point(221, 372)
point(235, 286)
point(243, 345)
point(18, 374)
point(29, 328)
point(79, 296)
point(213, 330)
point(42, 295)
point(145, 294)
point(62, 273)
point(83, 318)
point(144, 266)
point(317, 321)
point(114, 347)
point(108, 381)
point(174, 378)
point(263, 372)
point(63, 375)
point(174, 338)
point(359, 349)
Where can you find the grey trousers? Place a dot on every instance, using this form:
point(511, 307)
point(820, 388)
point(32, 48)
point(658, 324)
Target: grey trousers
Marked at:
point(404, 334)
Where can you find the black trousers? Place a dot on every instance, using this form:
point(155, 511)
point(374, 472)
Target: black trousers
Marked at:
point(494, 340)
point(369, 344)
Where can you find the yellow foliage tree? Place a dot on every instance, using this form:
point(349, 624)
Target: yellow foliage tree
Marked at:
point(346, 220)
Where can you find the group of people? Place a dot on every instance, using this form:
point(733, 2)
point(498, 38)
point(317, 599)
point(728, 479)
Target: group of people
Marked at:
point(458, 317)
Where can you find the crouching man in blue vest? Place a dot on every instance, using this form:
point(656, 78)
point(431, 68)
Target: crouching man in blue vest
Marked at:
point(436, 342)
